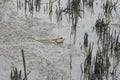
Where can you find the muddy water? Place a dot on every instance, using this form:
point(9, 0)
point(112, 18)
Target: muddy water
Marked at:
point(50, 61)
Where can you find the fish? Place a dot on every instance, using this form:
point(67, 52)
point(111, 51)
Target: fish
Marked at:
point(56, 40)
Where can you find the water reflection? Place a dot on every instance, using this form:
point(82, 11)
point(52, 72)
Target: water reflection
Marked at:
point(96, 66)
point(108, 44)
point(89, 5)
point(109, 6)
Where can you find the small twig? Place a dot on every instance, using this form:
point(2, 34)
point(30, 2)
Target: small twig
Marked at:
point(24, 65)
point(26, 75)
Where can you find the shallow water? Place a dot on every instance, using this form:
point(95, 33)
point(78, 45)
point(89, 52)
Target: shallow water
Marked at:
point(51, 61)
